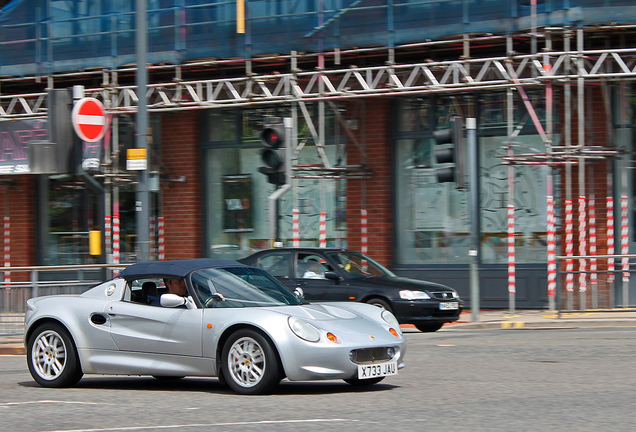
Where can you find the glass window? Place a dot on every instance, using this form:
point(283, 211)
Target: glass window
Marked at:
point(433, 224)
point(237, 204)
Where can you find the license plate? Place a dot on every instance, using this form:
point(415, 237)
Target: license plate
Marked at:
point(377, 370)
point(449, 306)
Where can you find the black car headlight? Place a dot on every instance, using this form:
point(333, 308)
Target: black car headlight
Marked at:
point(414, 295)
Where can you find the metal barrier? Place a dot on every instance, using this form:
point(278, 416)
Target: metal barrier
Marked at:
point(45, 280)
point(608, 288)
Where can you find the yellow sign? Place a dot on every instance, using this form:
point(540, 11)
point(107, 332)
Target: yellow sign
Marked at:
point(136, 159)
point(136, 153)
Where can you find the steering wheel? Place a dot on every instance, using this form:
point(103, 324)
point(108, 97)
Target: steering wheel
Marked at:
point(212, 299)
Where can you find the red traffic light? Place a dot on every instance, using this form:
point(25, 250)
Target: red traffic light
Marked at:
point(272, 137)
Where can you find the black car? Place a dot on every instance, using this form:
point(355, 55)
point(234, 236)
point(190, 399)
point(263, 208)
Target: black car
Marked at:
point(344, 275)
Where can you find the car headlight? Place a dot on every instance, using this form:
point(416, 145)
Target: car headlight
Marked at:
point(390, 319)
point(303, 329)
point(414, 295)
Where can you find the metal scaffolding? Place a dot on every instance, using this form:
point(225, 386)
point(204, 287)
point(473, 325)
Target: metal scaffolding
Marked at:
point(543, 68)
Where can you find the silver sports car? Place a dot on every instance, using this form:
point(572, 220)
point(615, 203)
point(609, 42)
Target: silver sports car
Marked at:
point(204, 317)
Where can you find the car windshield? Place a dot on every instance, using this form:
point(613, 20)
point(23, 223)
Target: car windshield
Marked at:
point(240, 287)
point(358, 265)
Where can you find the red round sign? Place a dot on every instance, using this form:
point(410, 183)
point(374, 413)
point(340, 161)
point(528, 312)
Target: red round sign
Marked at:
point(89, 119)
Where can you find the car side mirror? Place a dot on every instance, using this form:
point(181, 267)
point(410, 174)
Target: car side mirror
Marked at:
point(172, 300)
point(331, 275)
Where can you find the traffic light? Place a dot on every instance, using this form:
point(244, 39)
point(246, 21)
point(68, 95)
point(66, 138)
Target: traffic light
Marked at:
point(453, 153)
point(273, 152)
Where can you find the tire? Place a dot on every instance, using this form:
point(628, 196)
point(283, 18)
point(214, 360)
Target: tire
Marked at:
point(52, 357)
point(429, 327)
point(380, 303)
point(363, 382)
point(250, 363)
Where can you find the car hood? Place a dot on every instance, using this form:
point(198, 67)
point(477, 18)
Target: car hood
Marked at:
point(403, 283)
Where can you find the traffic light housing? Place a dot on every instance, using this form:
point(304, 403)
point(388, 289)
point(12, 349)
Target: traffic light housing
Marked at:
point(451, 149)
point(273, 153)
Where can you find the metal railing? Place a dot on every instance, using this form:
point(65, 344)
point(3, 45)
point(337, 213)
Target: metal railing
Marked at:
point(45, 280)
point(603, 288)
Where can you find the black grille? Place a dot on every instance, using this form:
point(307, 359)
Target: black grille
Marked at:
point(370, 355)
point(443, 295)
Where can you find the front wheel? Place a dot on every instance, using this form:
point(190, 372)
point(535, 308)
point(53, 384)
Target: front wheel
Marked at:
point(429, 327)
point(52, 357)
point(382, 304)
point(250, 364)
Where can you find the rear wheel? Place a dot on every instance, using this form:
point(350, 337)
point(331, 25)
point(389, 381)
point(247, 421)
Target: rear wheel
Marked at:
point(429, 327)
point(52, 357)
point(250, 363)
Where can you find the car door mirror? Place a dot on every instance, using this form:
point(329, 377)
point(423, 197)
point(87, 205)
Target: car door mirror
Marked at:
point(172, 300)
point(331, 275)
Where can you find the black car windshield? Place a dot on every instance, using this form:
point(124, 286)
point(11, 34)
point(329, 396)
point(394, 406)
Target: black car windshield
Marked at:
point(358, 265)
point(240, 287)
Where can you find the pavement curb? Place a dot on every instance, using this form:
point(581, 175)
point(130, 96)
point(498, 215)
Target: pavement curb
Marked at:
point(12, 349)
point(552, 324)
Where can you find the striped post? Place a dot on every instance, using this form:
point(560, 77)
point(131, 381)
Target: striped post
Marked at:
point(364, 240)
point(152, 230)
point(609, 203)
point(592, 218)
point(569, 247)
point(625, 245)
point(511, 250)
point(7, 252)
point(116, 243)
point(107, 234)
point(551, 249)
point(582, 246)
point(161, 245)
point(323, 230)
point(364, 237)
point(295, 228)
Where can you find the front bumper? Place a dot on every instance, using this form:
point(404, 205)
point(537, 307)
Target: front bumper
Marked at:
point(331, 361)
point(424, 311)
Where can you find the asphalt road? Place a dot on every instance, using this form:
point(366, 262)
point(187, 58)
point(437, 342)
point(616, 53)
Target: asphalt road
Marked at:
point(459, 380)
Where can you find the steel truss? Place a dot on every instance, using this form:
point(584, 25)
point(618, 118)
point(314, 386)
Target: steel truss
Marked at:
point(354, 82)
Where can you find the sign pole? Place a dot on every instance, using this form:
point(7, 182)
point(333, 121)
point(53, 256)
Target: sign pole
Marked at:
point(142, 203)
point(473, 204)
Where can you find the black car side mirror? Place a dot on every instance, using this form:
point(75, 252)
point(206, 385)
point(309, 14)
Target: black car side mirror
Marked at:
point(331, 275)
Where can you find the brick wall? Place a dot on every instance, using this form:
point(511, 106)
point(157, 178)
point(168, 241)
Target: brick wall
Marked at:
point(18, 202)
point(374, 193)
point(182, 205)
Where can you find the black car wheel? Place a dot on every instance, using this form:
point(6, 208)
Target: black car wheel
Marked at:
point(429, 327)
point(250, 363)
point(52, 357)
point(380, 303)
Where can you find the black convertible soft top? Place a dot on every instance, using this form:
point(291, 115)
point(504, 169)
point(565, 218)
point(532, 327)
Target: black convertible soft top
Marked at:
point(176, 268)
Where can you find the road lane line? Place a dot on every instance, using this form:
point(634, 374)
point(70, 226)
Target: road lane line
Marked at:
point(181, 426)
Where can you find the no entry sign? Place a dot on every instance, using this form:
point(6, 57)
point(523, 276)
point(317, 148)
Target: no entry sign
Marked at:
point(89, 119)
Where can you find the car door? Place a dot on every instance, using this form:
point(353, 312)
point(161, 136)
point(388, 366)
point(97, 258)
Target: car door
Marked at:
point(309, 274)
point(278, 264)
point(155, 329)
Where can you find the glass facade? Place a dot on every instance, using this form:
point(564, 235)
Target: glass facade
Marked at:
point(432, 224)
point(237, 194)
